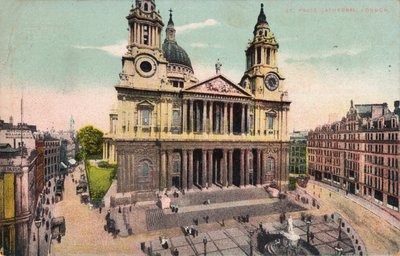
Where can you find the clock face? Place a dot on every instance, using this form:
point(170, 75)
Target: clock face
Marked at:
point(146, 66)
point(271, 81)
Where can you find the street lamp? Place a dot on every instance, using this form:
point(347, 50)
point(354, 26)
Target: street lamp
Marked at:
point(251, 232)
point(205, 245)
point(38, 223)
point(308, 230)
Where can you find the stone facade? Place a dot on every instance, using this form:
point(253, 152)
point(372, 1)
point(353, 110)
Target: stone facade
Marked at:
point(360, 153)
point(298, 153)
point(170, 131)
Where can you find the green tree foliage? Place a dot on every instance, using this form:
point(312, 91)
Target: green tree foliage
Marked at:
point(91, 140)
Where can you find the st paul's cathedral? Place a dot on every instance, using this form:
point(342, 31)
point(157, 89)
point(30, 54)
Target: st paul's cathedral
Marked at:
point(171, 131)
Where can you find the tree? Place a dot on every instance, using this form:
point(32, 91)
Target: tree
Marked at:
point(91, 140)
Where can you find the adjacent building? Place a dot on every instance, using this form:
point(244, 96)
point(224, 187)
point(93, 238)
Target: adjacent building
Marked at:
point(17, 199)
point(170, 131)
point(360, 153)
point(298, 161)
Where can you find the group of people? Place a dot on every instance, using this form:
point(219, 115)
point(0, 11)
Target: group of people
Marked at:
point(191, 231)
point(244, 219)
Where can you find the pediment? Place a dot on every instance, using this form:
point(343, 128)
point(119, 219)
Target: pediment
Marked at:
point(218, 85)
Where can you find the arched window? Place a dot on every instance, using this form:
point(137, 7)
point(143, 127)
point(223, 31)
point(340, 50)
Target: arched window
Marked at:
point(146, 7)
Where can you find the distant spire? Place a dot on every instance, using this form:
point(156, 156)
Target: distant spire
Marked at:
point(170, 22)
point(261, 17)
point(351, 103)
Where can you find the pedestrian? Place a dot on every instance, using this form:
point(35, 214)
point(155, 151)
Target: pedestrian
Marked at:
point(223, 222)
point(206, 218)
point(330, 195)
point(100, 209)
point(312, 237)
point(46, 237)
point(119, 209)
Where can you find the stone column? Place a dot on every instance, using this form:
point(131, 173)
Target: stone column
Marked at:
point(210, 168)
point(204, 169)
point(247, 170)
point(184, 116)
point(243, 119)
point(248, 119)
point(225, 168)
point(225, 131)
point(204, 124)
point(230, 178)
point(211, 118)
point(191, 116)
point(263, 163)
point(231, 119)
point(163, 178)
point(241, 167)
point(184, 169)
point(190, 178)
point(258, 166)
point(170, 169)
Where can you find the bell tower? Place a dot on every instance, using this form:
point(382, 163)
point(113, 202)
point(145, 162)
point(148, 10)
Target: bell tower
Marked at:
point(262, 75)
point(144, 66)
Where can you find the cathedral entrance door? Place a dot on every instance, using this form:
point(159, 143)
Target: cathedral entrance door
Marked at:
point(176, 182)
point(251, 180)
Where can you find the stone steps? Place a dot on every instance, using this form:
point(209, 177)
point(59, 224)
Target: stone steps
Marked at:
point(220, 196)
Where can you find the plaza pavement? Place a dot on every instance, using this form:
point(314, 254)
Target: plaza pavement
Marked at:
point(236, 241)
point(85, 233)
point(380, 237)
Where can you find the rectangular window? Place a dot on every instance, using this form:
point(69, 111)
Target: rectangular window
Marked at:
point(176, 167)
point(259, 55)
point(270, 122)
point(268, 55)
point(175, 118)
point(146, 34)
point(145, 117)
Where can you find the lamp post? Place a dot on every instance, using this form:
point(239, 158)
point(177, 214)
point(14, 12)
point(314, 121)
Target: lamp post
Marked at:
point(38, 223)
point(340, 229)
point(205, 245)
point(308, 230)
point(251, 242)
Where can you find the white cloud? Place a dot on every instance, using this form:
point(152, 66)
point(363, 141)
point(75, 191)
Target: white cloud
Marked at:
point(117, 50)
point(196, 25)
point(203, 45)
point(322, 55)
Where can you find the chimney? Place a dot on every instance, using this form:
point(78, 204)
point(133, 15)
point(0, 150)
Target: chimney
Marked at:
point(396, 104)
point(11, 120)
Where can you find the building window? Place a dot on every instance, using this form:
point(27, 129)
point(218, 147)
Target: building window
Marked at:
point(270, 122)
point(175, 119)
point(146, 33)
point(144, 170)
point(176, 167)
point(268, 56)
point(145, 117)
point(270, 165)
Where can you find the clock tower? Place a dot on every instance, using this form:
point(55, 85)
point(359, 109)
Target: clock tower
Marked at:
point(262, 76)
point(144, 65)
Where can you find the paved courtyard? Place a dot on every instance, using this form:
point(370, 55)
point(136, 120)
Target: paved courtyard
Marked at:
point(236, 241)
point(85, 234)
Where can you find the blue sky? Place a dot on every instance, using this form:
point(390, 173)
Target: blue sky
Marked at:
point(63, 56)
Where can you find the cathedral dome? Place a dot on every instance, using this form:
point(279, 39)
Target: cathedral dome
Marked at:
point(176, 54)
point(172, 51)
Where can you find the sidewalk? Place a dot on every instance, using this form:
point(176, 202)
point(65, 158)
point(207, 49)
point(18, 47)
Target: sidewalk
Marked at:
point(364, 203)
